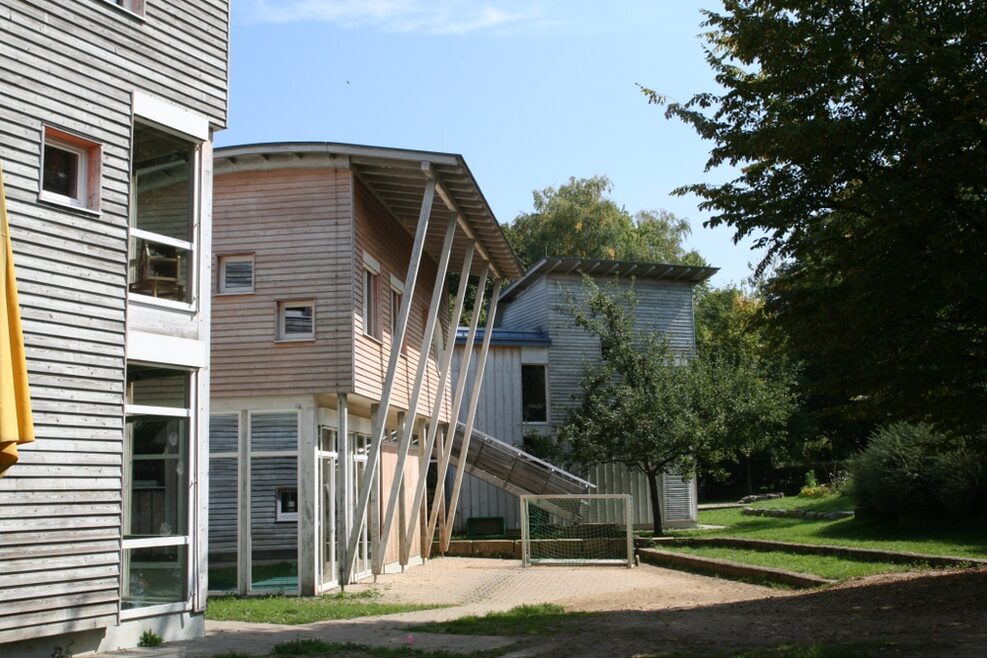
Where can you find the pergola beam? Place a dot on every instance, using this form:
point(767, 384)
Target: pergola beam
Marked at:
point(457, 400)
point(407, 427)
point(379, 421)
point(470, 417)
point(444, 370)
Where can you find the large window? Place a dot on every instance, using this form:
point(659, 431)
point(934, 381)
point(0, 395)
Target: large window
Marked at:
point(157, 464)
point(70, 170)
point(163, 184)
point(534, 394)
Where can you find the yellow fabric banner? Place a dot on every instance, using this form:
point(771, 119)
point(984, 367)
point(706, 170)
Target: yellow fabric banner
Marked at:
point(16, 426)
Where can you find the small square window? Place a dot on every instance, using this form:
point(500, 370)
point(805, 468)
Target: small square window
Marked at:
point(286, 504)
point(296, 320)
point(70, 170)
point(236, 274)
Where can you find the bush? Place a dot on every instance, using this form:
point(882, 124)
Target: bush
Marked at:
point(912, 471)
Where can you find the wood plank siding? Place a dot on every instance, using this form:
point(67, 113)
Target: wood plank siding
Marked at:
point(75, 66)
point(664, 307)
point(296, 223)
point(380, 236)
point(498, 413)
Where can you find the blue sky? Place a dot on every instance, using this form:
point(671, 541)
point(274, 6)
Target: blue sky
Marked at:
point(529, 92)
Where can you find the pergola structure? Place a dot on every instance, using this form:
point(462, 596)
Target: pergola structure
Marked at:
point(435, 198)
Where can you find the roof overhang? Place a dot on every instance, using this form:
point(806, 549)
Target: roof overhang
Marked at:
point(397, 177)
point(691, 274)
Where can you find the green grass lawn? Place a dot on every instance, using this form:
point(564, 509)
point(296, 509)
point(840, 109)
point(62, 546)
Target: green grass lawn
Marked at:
point(856, 533)
point(825, 566)
point(304, 610)
point(538, 619)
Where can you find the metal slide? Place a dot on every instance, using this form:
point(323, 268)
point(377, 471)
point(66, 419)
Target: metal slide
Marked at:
point(512, 469)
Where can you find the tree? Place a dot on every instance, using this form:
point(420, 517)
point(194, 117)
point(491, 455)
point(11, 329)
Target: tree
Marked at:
point(580, 219)
point(657, 411)
point(861, 130)
point(732, 327)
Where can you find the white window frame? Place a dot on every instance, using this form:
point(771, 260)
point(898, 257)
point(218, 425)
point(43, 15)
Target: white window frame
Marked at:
point(89, 154)
point(397, 296)
point(184, 124)
point(279, 514)
point(192, 502)
point(282, 335)
point(222, 262)
point(135, 7)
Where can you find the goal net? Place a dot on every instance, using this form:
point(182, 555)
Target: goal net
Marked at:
point(577, 529)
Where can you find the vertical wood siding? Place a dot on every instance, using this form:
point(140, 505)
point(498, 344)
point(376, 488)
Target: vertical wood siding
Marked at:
point(663, 307)
point(529, 310)
point(74, 65)
point(498, 414)
point(388, 463)
point(379, 235)
point(296, 223)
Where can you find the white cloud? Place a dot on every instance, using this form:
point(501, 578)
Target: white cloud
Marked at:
point(425, 16)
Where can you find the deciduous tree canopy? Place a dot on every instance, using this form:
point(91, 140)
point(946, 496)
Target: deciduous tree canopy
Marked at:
point(580, 219)
point(657, 411)
point(861, 130)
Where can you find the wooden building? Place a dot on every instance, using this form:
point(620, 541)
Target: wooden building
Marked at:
point(331, 387)
point(106, 124)
point(537, 360)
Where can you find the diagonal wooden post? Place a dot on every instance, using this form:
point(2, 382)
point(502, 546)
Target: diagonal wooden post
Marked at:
point(470, 417)
point(406, 428)
point(457, 401)
point(377, 436)
point(444, 369)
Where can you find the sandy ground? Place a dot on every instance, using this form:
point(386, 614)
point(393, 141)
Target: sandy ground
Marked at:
point(648, 611)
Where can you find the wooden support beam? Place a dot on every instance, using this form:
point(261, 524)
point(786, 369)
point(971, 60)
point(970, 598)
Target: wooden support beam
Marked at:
point(344, 485)
point(470, 417)
point(457, 402)
point(309, 516)
point(447, 199)
point(445, 367)
point(406, 428)
point(377, 436)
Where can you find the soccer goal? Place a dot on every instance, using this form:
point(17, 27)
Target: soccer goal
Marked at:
point(577, 529)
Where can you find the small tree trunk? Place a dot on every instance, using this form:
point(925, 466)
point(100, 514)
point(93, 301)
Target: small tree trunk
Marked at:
point(655, 502)
point(750, 479)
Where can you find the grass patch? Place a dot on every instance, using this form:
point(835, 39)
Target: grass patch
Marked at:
point(537, 619)
point(281, 609)
point(856, 533)
point(825, 566)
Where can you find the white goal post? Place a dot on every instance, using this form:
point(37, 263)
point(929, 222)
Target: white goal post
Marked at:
point(576, 529)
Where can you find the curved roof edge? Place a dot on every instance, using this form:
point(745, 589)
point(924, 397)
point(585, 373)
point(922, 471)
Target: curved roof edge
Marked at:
point(396, 176)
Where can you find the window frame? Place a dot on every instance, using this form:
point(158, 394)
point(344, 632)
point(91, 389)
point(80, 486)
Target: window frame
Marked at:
point(548, 414)
point(133, 7)
point(222, 261)
point(371, 304)
point(282, 336)
point(88, 175)
point(281, 516)
point(190, 246)
point(186, 541)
